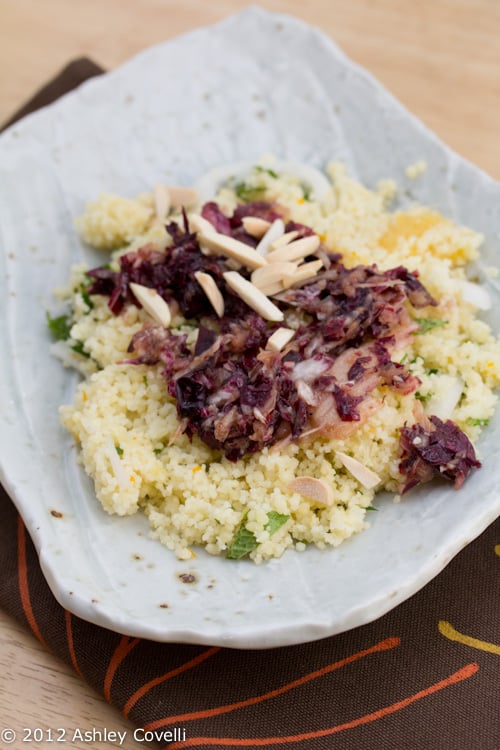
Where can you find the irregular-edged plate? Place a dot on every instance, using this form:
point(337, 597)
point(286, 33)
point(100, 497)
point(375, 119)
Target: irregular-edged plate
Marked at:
point(256, 83)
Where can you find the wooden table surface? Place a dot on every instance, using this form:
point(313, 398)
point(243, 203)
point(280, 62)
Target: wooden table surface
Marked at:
point(441, 58)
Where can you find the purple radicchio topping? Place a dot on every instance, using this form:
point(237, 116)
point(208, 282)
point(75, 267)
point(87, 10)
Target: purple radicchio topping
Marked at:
point(239, 397)
point(233, 394)
point(439, 449)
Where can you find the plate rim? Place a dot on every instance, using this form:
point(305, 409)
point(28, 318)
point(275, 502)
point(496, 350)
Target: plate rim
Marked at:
point(294, 634)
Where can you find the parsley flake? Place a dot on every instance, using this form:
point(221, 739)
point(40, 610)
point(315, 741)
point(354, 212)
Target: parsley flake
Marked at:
point(59, 327)
point(266, 170)
point(248, 193)
point(478, 422)
point(78, 348)
point(243, 543)
point(275, 522)
point(86, 298)
point(428, 324)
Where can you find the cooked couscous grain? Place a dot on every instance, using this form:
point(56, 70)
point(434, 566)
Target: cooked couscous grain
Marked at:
point(127, 425)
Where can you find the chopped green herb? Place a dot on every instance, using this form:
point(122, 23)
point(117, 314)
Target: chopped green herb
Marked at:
point(248, 193)
point(59, 327)
point(86, 298)
point(306, 192)
point(145, 379)
point(422, 396)
point(403, 358)
point(275, 522)
point(243, 543)
point(119, 450)
point(78, 348)
point(427, 324)
point(478, 422)
point(370, 507)
point(432, 371)
point(266, 170)
point(157, 451)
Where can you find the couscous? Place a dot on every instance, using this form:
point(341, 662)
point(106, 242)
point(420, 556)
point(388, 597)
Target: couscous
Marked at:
point(307, 414)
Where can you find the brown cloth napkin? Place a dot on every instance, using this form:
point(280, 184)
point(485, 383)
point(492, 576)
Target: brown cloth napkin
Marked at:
point(423, 677)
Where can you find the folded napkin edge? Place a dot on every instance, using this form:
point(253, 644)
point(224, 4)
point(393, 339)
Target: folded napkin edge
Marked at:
point(67, 78)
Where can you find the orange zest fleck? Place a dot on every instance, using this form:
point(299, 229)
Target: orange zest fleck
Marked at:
point(405, 225)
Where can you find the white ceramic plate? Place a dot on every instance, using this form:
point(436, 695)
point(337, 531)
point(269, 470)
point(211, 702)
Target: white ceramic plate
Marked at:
point(256, 83)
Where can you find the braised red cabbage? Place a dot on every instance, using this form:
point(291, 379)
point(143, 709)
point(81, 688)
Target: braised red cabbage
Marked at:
point(442, 450)
point(239, 397)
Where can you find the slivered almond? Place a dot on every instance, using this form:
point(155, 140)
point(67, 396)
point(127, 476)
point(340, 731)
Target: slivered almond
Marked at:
point(235, 249)
point(280, 339)
point(271, 273)
point(161, 197)
point(275, 230)
point(198, 223)
point(275, 287)
point(284, 239)
point(152, 303)
point(253, 296)
point(182, 197)
point(359, 471)
point(295, 250)
point(314, 489)
point(301, 273)
point(255, 226)
point(212, 291)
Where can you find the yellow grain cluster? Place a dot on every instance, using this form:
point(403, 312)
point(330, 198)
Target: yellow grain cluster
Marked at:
point(126, 425)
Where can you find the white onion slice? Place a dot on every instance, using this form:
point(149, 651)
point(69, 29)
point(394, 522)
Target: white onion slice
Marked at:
point(211, 182)
point(67, 356)
point(475, 294)
point(116, 464)
point(309, 369)
point(315, 179)
point(447, 390)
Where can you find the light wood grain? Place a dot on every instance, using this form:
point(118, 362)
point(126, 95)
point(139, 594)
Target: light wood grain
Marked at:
point(439, 57)
point(38, 690)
